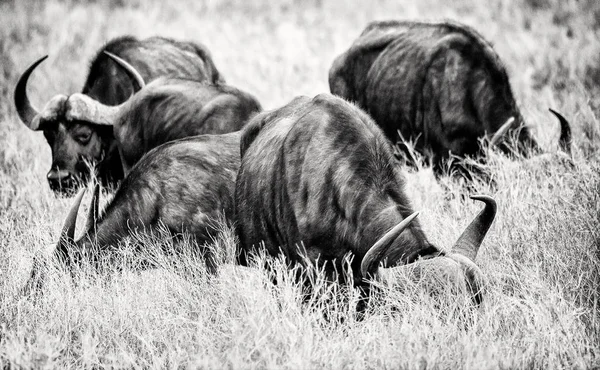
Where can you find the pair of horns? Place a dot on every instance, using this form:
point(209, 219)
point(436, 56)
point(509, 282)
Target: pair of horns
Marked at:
point(467, 244)
point(78, 106)
point(67, 234)
point(564, 142)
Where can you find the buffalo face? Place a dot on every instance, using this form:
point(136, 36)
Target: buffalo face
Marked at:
point(455, 268)
point(76, 147)
point(77, 128)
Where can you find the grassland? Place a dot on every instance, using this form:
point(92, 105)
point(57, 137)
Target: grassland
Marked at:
point(541, 257)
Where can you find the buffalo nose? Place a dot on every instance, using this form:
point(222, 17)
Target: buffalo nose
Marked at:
point(58, 175)
point(60, 180)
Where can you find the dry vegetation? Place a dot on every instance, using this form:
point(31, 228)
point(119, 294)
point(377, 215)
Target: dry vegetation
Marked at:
point(542, 255)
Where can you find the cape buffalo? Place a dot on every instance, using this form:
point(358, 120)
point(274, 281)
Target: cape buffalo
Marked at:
point(74, 140)
point(318, 181)
point(440, 85)
point(165, 110)
point(184, 185)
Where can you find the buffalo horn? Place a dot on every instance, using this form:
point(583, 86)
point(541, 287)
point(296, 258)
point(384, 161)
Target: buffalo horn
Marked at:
point(565, 141)
point(83, 108)
point(501, 131)
point(93, 212)
point(68, 231)
point(378, 251)
point(136, 78)
point(27, 113)
point(469, 242)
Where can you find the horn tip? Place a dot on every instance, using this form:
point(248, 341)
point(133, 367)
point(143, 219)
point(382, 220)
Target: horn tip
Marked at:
point(133, 73)
point(558, 115)
point(114, 57)
point(110, 54)
point(482, 197)
point(488, 200)
point(81, 192)
point(38, 62)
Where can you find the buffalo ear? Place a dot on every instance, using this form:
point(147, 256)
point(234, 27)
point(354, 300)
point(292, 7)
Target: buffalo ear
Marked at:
point(251, 130)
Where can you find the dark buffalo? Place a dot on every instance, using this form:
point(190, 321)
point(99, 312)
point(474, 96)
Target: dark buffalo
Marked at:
point(74, 140)
point(440, 85)
point(318, 181)
point(185, 185)
point(167, 109)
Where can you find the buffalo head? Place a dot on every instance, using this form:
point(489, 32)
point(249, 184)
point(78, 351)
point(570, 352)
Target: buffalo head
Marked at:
point(456, 267)
point(74, 126)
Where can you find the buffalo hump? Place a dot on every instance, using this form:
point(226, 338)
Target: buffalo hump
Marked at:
point(318, 181)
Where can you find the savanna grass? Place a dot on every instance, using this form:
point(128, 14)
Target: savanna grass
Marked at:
point(541, 257)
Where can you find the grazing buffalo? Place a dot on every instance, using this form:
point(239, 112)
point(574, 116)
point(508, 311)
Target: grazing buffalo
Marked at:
point(75, 141)
point(318, 181)
point(440, 85)
point(184, 185)
point(167, 109)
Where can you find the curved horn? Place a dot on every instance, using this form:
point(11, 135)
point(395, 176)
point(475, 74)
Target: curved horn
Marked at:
point(27, 113)
point(68, 231)
point(565, 140)
point(136, 78)
point(469, 242)
point(81, 107)
point(93, 212)
point(501, 131)
point(378, 251)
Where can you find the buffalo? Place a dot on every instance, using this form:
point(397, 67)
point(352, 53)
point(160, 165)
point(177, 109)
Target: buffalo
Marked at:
point(167, 109)
point(185, 186)
point(75, 141)
point(318, 181)
point(440, 85)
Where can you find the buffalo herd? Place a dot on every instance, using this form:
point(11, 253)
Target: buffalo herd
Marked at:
point(317, 181)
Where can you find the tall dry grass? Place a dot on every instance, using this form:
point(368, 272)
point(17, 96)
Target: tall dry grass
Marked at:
point(541, 257)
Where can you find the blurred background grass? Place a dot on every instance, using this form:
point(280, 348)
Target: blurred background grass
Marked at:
point(542, 256)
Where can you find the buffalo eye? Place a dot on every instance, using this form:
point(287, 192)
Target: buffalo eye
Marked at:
point(83, 137)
